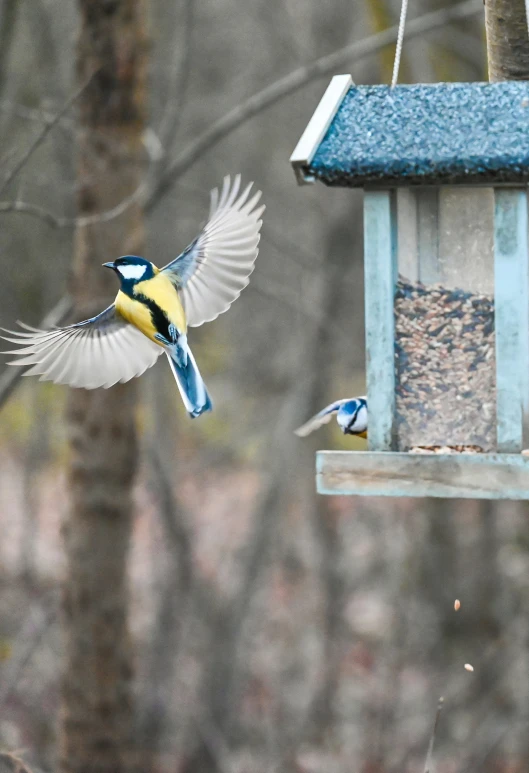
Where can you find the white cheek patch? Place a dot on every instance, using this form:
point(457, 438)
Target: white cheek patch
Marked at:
point(131, 272)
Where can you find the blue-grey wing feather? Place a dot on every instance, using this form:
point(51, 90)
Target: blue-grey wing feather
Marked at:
point(185, 265)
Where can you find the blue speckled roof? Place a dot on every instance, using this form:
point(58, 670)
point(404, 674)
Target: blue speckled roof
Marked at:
point(428, 134)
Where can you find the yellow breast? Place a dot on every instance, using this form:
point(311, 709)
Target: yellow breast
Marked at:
point(136, 313)
point(160, 290)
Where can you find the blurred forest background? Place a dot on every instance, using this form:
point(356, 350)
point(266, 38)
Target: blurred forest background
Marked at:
point(264, 628)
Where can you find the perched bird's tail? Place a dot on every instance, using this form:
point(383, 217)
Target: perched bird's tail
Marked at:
point(192, 388)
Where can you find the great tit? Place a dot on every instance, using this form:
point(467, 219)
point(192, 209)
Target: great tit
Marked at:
point(154, 307)
point(351, 415)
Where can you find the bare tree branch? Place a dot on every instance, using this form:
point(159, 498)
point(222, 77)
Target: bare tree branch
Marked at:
point(29, 638)
point(11, 764)
point(299, 78)
point(41, 136)
point(429, 756)
point(174, 525)
point(28, 113)
point(465, 46)
point(56, 221)
point(179, 80)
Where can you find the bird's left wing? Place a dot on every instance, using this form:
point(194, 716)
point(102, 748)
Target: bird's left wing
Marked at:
point(212, 272)
point(97, 352)
point(323, 417)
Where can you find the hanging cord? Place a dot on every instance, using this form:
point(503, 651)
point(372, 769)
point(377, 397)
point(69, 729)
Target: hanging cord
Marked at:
point(400, 39)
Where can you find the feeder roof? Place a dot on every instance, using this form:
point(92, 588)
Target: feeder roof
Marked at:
point(448, 133)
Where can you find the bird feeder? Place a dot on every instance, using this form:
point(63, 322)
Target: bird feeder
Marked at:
point(444, 170)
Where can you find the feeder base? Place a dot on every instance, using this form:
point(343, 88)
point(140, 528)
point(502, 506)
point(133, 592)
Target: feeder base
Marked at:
point(449, 475)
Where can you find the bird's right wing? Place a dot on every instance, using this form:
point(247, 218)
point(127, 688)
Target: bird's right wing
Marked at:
point(97, 352)
point(323, 417)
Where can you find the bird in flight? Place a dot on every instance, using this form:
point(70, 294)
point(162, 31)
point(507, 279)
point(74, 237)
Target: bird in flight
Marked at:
point(351, 415)
point(154, 307)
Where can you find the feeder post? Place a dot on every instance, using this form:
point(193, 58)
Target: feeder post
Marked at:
point(380, 253)
point(506, 26)
point(511, 279)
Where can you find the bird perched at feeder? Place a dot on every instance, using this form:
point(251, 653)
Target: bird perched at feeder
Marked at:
point(154, 307)
point(351, 415)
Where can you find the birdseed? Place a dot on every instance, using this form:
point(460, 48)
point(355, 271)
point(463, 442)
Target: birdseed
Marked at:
point(446, 450)
point(445, 368)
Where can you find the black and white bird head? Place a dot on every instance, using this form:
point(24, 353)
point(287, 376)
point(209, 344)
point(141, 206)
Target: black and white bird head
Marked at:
point(132, 269)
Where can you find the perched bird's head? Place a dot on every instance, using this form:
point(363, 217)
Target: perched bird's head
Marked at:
point(352, 416)
point(132, 269)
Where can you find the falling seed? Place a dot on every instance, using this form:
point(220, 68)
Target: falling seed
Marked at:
point(457, 604)
point(468, 667)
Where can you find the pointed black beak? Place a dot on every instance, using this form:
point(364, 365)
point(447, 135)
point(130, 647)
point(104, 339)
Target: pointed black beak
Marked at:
point(109, 265)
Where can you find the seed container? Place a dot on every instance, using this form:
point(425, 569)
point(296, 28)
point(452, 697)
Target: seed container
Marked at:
point(445, 361)
point(444, 170)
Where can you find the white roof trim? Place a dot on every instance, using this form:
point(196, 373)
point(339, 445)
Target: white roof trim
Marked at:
point(318, 125)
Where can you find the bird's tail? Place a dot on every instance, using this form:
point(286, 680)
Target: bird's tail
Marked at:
point(190, 384)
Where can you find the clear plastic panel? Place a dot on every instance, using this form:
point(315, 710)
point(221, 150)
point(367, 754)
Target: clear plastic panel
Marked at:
point(444, 318)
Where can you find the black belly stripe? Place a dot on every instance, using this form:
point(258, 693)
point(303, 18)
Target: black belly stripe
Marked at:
point(158, 316)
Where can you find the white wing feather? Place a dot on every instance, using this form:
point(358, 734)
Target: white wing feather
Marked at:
point(212, 272)
point(321, 418)
point(96, 353)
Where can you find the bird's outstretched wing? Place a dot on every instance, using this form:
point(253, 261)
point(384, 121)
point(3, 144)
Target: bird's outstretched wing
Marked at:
point(97, 352)
point(212, 272)
point(323, 417)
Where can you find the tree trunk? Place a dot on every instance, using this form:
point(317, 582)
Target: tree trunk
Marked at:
point(507, 40)
point(96, 717)
point(8, 17)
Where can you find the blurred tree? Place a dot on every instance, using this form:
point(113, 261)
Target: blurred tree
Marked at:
point(8, 14)
point(507, 42)
point(96, 696)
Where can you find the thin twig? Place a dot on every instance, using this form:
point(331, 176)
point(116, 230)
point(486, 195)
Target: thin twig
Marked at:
point(215, 743)
point(12, 376)
point(11, 764)
point(46, 129)
point(55, 221)
point(429, 757)
point(29, 638)
point(296, 80)
point(179, 80)
point(176, 530)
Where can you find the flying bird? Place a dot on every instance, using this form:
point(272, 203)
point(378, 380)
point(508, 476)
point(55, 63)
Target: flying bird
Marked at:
point(154, 307)
point(351, 415)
